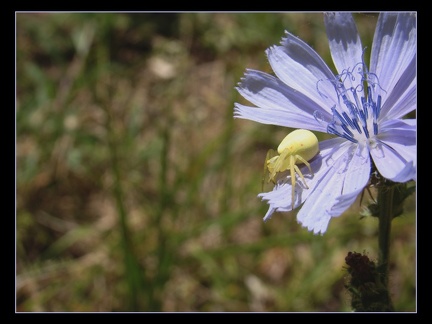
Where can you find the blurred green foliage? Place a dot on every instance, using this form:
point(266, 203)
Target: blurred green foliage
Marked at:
point(136, 188)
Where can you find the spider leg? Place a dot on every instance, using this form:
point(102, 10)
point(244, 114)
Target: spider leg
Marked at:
point(293, 179)
point(298, 157)
point(301, 175)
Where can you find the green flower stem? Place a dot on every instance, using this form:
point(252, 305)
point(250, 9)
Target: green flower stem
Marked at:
point(385, 217)
point(132, 267)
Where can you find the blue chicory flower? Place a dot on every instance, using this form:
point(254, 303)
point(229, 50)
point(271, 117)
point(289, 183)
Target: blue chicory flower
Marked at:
point(363, 107)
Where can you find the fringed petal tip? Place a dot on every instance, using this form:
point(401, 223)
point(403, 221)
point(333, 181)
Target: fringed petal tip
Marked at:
point(315, 228)
point(244, 78)
point(270, 49)
point(269, 214)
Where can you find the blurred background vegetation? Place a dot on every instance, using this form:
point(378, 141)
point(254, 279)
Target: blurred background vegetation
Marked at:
point(136, 187)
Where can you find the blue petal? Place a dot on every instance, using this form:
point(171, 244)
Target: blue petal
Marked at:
point(399, 131)
point(300, 67)
point(409, 172)
point(393, 164)
point(358, 170)
point(394, 47)
point(399, 151)
point(357, 177)
point(400, 124)
point(344, 40)
point(402, 99)
point(400, 103)
point(271, 94)
point(277, 117)
point(337, 190)
point(315, 212)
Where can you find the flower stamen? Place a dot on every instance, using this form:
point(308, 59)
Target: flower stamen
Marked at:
point(355, 117)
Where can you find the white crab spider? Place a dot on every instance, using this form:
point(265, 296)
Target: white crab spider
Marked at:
point(296, 148)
